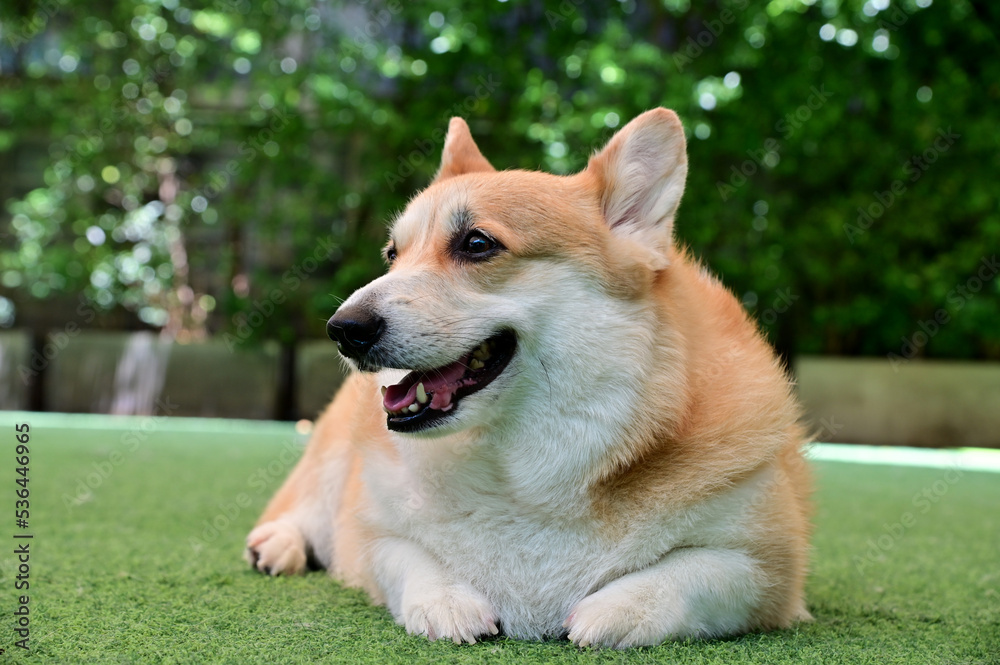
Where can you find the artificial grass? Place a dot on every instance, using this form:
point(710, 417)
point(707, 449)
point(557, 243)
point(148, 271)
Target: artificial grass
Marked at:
point(129, 574)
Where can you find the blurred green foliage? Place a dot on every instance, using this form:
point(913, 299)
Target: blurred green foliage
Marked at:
point(228, 166)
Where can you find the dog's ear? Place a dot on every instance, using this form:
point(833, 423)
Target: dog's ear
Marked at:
point(641, 174)
point(460, 154)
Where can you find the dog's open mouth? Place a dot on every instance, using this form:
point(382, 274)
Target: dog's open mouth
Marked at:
point(423, 398)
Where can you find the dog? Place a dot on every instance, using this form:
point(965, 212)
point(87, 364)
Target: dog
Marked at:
point(559, 424)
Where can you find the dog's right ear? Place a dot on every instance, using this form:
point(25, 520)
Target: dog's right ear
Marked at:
point(460, 154)
point(640, 176)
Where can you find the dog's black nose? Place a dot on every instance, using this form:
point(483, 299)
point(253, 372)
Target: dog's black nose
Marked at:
point(355, 330)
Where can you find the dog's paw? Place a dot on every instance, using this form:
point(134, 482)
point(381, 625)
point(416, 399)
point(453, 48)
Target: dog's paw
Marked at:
point(456, 612)
point(614, 617)
point(276, 548)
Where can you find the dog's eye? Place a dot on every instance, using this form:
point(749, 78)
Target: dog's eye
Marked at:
point(478, 243)
point(390, 254)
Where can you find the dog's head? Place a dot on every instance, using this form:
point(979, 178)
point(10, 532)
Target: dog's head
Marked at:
point(506, 288)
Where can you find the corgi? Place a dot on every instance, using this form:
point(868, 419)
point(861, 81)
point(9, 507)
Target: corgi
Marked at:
point(558, 424)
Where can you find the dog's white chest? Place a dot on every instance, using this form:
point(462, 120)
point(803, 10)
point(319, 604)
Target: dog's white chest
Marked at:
point(533, 565)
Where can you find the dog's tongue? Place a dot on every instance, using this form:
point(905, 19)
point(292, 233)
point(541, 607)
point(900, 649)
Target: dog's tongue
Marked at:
point(441, 382)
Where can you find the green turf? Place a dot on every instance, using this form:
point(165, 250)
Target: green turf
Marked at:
point(128, 573)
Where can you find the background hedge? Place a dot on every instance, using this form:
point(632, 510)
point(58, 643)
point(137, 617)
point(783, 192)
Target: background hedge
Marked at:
point(184, 165)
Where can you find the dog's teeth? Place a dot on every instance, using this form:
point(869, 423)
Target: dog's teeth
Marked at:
point(414, 408)
point(387, 410)
point(384, 389)
point(475, 363)
point(421, 394)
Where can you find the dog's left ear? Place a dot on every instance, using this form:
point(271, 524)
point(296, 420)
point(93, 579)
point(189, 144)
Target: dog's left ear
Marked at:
point(641, 174)
point(460, 154)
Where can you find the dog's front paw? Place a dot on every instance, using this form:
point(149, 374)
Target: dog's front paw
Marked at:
point(276, 548)
point(455, 611)
point(614, 617)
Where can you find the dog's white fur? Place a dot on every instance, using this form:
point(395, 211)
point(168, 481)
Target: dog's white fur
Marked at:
point(545, 506)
